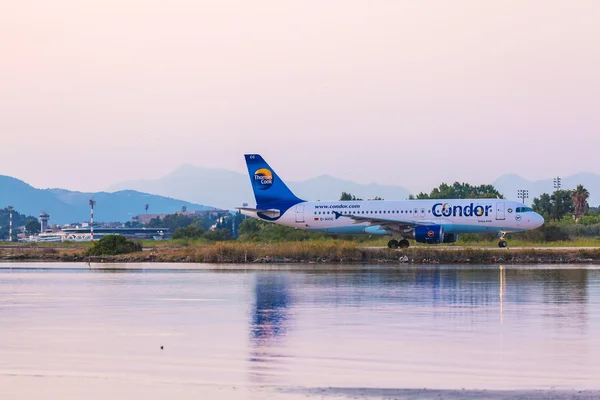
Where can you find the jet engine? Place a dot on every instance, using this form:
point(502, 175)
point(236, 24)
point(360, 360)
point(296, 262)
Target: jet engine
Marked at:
point(450, 238)
point(429, 234)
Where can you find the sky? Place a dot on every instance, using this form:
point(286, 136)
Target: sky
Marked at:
point(411, 93)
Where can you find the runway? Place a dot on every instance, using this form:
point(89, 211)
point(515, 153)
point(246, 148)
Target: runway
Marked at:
point(457, 248)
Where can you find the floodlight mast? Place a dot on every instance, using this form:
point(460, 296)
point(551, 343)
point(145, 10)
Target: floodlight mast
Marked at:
point(523, 194)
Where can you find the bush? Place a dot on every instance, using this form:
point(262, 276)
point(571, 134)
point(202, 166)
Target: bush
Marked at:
point(549, 232)
point(583, 230)
point(190, 232)
point(218, 235)
point(112, 245)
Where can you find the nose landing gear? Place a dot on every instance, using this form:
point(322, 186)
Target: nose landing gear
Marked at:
point(502, 242)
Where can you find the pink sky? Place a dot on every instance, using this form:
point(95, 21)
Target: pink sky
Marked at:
point(399, 92)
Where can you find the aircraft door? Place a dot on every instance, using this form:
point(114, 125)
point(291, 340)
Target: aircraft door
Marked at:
point(300, 213)
point(500, 211)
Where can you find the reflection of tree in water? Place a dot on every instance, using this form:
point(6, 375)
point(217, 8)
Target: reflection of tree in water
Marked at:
point(269, 321)
point(567, 290)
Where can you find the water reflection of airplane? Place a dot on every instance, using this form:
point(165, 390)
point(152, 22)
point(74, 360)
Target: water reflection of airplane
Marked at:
point(269, 324)
point(468, 286)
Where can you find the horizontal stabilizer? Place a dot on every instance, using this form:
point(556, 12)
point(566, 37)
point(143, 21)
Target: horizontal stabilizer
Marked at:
point(271, 213)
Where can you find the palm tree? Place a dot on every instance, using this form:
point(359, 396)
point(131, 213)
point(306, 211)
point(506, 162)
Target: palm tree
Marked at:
point(580, 197)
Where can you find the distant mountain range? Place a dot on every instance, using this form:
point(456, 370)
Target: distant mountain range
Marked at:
point(65, 206)
point(228, 189)
point(510, 183)
point(220, 188)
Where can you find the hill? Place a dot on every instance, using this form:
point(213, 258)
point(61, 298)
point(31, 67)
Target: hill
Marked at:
point(66, 206)
point(510, 183)
point(228, 189)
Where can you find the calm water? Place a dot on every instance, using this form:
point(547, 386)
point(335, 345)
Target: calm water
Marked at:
point(69, 332)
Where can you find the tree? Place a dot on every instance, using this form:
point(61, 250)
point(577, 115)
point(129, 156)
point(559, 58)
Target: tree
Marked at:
point(18, 221)
point(561, 204)
point(189, 232)
point(147, 207)
point(554, 206)
point(580, 197)
point(218, 235)
point(251, 226)
point(348, 197)
point(462, 191)
point(112, 245)
point(176, 221)
point(377, 198)
point(155, 222)
point(33, 227)
point(543, 205)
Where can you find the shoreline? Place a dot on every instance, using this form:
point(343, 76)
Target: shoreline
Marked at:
point(307, 253)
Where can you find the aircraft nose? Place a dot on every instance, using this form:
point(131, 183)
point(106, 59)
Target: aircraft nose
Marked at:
point(537, 220)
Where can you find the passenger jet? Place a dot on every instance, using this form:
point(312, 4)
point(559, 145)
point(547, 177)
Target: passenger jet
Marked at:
point(425, 221)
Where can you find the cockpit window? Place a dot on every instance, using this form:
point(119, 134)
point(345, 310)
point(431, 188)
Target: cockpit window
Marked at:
point(523, 209)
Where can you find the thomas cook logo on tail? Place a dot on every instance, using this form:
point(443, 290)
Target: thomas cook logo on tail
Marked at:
point(263, 179)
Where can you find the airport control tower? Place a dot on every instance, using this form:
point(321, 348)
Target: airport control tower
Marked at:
point(44, 218)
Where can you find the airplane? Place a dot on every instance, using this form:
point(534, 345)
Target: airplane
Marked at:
point(425, 221)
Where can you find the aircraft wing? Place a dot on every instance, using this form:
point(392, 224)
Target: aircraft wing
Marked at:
point(272, 213)
point(393, 225)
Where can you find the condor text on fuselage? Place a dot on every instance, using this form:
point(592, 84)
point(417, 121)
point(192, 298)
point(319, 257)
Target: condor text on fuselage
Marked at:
point(425, 221)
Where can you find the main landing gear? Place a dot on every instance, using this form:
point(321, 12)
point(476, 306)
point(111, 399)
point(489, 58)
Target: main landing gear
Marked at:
point(502, 243)
point(394, 244)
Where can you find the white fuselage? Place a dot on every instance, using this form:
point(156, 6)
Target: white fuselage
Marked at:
point(455, 216)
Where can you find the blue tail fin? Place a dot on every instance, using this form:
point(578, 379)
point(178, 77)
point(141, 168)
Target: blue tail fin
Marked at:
point(267, 186)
